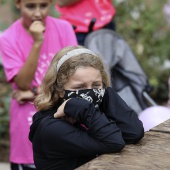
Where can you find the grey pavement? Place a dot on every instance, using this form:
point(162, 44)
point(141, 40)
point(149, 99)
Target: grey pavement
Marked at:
point(4, 166)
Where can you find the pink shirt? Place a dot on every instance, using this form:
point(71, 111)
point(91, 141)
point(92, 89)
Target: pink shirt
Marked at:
point(82, 13)
point(15, 45)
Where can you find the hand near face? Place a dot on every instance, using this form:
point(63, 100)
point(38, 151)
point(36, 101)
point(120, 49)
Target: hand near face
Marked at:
point(37, 29)
point(60, 113)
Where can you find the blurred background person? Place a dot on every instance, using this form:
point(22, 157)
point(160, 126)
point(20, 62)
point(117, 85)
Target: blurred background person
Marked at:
point(87, 15)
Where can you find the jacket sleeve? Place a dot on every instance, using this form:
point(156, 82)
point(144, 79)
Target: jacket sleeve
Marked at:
point(102, 136)
point(126, 119)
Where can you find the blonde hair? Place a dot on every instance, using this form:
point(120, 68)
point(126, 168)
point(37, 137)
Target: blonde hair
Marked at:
point(53, 82)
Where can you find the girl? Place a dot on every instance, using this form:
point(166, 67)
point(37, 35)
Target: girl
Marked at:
point(27, 48)
point(79, 116)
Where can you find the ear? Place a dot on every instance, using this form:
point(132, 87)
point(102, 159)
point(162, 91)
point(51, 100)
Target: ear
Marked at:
point(17, 4)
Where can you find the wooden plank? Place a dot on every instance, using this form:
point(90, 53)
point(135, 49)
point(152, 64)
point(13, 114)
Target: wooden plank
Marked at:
point(163, 127)
point(152, 152)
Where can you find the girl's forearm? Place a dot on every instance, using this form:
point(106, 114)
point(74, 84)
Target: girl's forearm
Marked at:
point(26, 74)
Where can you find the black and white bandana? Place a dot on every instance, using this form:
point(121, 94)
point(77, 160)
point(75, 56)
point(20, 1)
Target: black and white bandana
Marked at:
point(94, 96)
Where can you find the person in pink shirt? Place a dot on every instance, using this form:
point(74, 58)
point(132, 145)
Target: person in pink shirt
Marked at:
point(80, 13)
point(27, 48)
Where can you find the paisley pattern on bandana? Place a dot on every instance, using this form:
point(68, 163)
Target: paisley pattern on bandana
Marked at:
point(94, 96)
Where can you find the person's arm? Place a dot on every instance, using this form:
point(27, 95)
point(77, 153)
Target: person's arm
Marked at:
point(26, 74)
point(23, 96)
point(102, 136)
point(63, 3)
point(126, 119)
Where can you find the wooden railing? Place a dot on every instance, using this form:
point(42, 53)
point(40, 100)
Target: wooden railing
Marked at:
point(151, 153)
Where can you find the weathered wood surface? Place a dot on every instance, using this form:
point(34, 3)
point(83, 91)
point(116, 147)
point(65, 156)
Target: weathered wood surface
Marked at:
point(163, 127)
point(151, 153)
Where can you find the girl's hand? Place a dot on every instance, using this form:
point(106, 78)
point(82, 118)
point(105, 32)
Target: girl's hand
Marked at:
point(23, 96)
point(37, 29)
point(60, 112)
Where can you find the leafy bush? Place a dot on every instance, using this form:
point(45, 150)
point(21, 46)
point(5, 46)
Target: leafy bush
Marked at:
point(143, 25)
point(5, 96)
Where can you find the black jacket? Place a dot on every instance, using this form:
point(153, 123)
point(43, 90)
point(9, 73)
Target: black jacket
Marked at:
point(57, 144)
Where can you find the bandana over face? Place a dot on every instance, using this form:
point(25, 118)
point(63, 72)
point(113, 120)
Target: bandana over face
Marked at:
point(94, 96)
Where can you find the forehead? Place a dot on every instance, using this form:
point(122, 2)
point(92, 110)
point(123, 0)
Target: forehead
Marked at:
point(86, 73)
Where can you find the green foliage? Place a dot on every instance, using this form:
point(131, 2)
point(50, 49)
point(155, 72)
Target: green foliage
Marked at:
point(2, 1)
point(142, 23)
point(4, 117)
point(53, 11)
point(162, 86)
point(5, 94)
